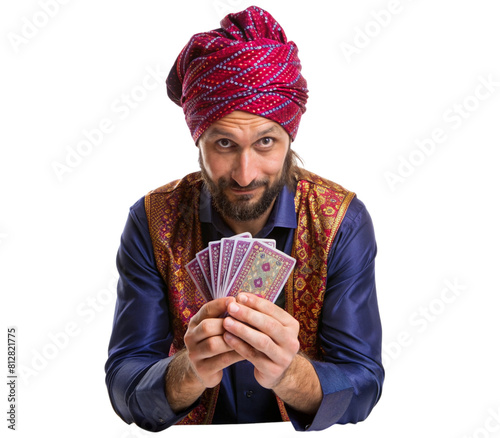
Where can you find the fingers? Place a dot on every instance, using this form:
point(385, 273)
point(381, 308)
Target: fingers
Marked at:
point(265, 306)
point(206, 328)
point(248, 352)
point(212, 309)
point(207, 351)
point(210, 370)
point(203, 337)
point(260, 331)
point(256, 330)
point(266, 318)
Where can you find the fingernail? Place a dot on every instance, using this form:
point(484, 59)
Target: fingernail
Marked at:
point(228, 322)
point(242, 298)
point(233, 308)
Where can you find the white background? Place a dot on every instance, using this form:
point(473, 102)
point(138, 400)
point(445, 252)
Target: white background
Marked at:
point(65, 72)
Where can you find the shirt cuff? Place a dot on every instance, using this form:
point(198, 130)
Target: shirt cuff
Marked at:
point(152, 400)
point(337, 395)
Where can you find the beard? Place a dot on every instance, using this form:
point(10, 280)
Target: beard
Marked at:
point(242, 209)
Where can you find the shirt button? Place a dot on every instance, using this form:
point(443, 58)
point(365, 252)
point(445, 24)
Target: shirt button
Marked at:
point(249, 394)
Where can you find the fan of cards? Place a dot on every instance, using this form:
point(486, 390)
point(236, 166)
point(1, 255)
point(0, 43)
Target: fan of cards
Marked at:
point(240, 264)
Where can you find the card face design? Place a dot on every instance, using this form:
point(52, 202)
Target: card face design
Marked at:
point(204, 262)
point(196, 274)
point(270, 242)
point(213, 253)
point(263, 271)
point(240, 248)
point(240, 264)
point(226, 249)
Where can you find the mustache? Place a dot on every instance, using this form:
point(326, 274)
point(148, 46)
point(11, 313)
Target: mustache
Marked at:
point(224, 183)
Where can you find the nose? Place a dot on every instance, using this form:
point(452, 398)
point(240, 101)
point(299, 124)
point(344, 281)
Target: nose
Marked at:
point(245, 168)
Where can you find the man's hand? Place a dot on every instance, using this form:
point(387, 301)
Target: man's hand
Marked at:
point(200, 365)
point(207, 350)
point(264, 334)
point(267, 336)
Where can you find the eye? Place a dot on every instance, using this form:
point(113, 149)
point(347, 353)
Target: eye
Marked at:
point(224, 143)
point(266, 141)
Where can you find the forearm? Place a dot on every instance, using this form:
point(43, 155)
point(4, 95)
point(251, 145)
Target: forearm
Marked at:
point(182, 385)
point(137, 391)
point(300, 387)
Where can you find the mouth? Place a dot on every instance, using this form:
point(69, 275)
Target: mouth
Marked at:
point(248, 192)
point(244, 191)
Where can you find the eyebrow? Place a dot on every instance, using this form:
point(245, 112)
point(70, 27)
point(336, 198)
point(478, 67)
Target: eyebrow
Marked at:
point(216, 132)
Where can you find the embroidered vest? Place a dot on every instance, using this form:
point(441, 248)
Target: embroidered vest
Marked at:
point(175, 230)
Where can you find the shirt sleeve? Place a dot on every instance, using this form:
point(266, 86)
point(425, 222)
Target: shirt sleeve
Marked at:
point(351, 373)
point(141, 335)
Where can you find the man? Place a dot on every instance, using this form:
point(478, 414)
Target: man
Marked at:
point(313, 357)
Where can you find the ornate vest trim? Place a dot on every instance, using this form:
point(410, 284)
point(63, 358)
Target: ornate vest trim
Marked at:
point(320, 206)
point(172, 212)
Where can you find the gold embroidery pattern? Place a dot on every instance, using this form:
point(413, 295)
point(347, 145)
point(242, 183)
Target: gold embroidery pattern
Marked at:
point(320, 205)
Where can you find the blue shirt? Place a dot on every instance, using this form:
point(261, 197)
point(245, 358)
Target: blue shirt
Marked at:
point(351, 373)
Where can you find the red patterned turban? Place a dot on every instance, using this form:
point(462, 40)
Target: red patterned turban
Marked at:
point(247, 65)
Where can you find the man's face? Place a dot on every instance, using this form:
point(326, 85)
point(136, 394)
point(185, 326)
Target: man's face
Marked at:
point(245, 160)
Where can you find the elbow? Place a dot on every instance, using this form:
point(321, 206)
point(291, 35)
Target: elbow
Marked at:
point(117, 399)
point(365, 396)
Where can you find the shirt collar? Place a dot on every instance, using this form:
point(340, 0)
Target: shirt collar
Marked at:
point(282, 215)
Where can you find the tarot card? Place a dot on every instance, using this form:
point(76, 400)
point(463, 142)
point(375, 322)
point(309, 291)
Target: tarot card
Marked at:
point(214, 252)
point(195, 272)
point(239, 251)
point(240, 248)
point(270, 242)
point(204, 262)
point(226, 250)
point(245, 235)
point(263, 271)
point(215, 267)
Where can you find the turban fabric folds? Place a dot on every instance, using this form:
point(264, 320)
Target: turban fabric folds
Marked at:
point(247, 65)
